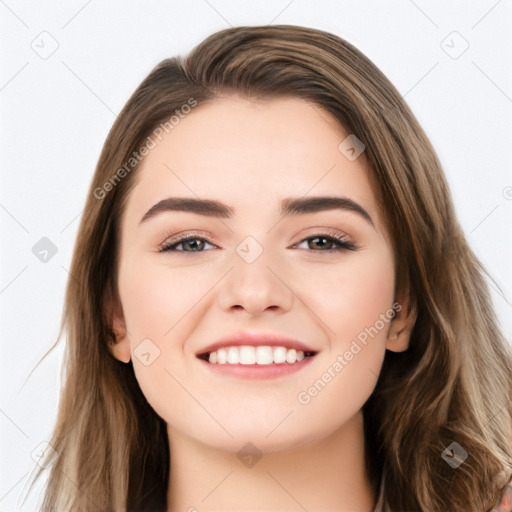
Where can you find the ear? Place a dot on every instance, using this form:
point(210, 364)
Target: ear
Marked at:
point(402, 324)
point(119, 346)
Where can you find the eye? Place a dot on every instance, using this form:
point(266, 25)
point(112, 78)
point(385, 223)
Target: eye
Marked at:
point(321, 242)
point(195, 243)
point(324, 242)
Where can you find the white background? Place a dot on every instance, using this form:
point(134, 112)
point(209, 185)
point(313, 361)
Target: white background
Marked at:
point(56, 113)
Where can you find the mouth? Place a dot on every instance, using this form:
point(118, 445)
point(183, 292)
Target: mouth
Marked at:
point(263, 355)
point(256, 355)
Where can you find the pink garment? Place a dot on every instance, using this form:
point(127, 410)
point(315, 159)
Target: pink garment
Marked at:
point(504, 503)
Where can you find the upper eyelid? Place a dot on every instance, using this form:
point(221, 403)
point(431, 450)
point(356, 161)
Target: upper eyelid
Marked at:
point(315, 231)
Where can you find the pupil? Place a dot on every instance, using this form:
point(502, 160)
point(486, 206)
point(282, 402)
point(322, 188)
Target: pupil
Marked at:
point(320, 238)
point(192, 242)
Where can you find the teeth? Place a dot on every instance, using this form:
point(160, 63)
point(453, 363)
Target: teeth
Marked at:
point(291, 356)
point(279, 355)
point(256, 355)
point(233, 355)
point(222, 356)
point(247, 355)
point(264, 355)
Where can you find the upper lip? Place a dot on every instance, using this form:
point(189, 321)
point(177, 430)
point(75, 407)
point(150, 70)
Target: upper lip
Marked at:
point(256, 339)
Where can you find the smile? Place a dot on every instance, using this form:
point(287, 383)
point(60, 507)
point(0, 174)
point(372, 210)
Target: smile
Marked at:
point(250, 355)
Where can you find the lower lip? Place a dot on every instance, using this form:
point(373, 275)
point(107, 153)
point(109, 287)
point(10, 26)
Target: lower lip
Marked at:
point(258, 371)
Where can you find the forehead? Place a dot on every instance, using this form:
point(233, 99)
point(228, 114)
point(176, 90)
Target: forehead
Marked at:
point(247, 152)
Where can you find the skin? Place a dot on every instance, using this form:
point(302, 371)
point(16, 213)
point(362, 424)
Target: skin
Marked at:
point(250, 155)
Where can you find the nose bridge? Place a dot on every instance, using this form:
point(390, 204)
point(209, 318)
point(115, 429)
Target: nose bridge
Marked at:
point(254, 284)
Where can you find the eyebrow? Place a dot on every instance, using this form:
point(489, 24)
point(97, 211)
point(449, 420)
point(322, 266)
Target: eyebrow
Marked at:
point(289, 206)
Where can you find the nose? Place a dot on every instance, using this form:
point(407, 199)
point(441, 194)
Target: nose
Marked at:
point(255, 287)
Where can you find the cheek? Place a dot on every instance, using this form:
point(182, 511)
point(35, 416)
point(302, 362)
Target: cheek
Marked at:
point(162, 306)
point(155, 298)
point(351, 296)
point(368, 293)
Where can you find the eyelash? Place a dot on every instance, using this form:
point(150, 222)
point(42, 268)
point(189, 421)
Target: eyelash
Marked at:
point(343, 245)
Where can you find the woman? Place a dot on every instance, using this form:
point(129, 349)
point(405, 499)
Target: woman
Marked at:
point(272, 304)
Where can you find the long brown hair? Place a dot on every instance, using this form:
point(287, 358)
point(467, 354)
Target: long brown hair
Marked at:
point(454, 383)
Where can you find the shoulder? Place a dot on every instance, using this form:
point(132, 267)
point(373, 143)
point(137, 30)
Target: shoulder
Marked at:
point(504, 501)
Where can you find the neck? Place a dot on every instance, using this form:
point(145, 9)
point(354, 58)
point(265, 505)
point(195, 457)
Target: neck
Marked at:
point(325, 476)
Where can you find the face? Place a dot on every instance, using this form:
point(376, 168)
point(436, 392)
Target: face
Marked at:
point(319, 273)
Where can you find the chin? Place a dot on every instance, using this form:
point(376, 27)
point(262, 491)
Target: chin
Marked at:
point(254, 442)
